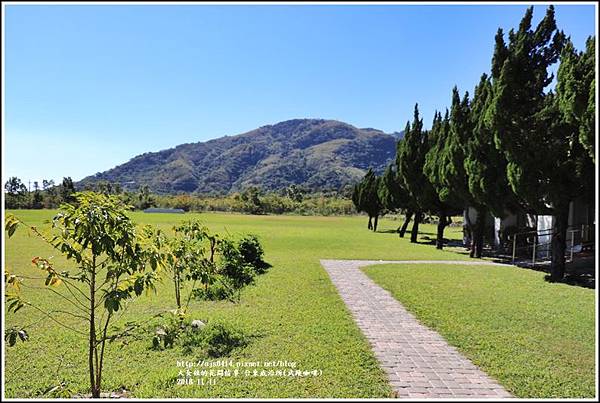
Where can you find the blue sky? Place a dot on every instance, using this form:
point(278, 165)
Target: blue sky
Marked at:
point(88, 87)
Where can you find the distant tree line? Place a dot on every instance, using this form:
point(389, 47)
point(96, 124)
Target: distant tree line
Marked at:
point(515, 145)
point(50, 195)
point(46, 195)
point(290, 200)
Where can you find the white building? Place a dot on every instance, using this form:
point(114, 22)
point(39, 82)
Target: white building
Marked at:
point(580, 232)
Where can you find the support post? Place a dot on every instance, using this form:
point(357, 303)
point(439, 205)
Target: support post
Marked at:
point(534, 244)
point(572, 243)
point(514, 247)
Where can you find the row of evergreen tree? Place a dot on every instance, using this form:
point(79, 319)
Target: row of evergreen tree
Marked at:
point(516, 145)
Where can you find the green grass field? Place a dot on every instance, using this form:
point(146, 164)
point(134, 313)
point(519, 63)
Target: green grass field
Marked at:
point(293, 313)
point(535, 338)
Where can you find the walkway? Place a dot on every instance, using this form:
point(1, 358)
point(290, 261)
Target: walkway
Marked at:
point(417, 360)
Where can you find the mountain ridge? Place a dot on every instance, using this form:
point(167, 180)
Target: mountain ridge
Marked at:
point(319, 154)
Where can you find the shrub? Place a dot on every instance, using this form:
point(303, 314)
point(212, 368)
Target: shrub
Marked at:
point(240, 262)
point(167, 332)
point(191, 258)
point(232, 264)
point(252, 253)
point(215, 340)
point(222, 289)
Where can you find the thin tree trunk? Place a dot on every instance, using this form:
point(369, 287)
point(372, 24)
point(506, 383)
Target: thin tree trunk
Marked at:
point(189, 298)
point(101, 364)
point(375, 223)
point(473, 245)
point(177, 291)
point(92, 336)
point(559, 242)
point(439, 242)
point(212, 249)
point(478, 234)
point(96, 363)
point(407, 218)
point(415, 228)
point(470, 234)
point(479, 241)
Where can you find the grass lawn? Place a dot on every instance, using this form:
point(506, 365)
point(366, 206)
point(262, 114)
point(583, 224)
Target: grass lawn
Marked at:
point(535, 338)
point(293, 313)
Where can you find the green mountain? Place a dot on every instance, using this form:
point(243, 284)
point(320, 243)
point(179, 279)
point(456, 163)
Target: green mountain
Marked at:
point(315, 153)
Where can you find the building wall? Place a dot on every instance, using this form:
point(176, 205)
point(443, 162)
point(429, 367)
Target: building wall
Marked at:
point(581, 215)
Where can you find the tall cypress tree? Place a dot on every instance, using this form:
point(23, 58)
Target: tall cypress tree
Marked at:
point(410, 159)
point(575, 88)
point(542, 153)
point(394, 197)
point(439, 172)
point(485, 167)
point(453, 183)
point(485, 164)
point(444, 165)
point(575, 97)
point(461, 130)
point(365, 198)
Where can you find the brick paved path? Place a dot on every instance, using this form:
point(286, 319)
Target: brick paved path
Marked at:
point(417, 360)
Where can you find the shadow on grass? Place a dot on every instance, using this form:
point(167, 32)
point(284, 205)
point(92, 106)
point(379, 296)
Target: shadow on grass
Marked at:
point(580, 279)
point(580, 274)
point(425, 239)
point(387, 231)
point(395, 231)
point(427, 233)
point(575, 276)
point(451, 243)
point(425, 242)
